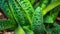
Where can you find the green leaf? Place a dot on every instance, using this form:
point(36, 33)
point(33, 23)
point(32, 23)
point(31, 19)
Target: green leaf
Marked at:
point(51, 6)
point(37, 22)
point(19, 30)
point(51, 16)
point(6, 23)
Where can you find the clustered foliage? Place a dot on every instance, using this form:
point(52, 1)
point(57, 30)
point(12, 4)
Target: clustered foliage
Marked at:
point(30, 16)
